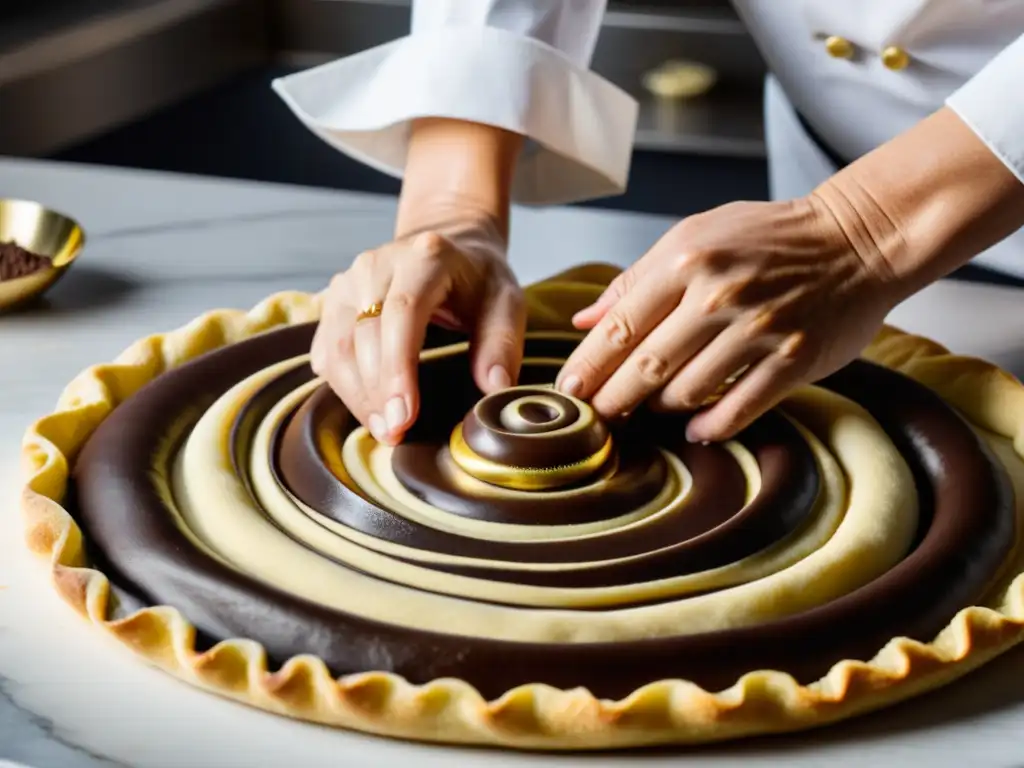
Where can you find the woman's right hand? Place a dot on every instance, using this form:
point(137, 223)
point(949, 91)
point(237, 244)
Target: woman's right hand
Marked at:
point(455, 275)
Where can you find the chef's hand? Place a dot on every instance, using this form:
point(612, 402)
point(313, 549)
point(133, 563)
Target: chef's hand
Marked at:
point(454, 276)
point(786, 293)
point(446, 265)
point(777, 290)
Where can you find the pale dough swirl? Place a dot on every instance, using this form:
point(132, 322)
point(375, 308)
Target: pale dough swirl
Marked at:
point(859, 529)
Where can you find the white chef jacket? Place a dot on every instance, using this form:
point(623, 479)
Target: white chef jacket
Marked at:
point(523, 65)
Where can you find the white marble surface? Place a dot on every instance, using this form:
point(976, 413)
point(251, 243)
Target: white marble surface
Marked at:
point(163, 249)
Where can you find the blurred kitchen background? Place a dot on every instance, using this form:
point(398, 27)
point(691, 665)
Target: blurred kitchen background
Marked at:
point(183, 85)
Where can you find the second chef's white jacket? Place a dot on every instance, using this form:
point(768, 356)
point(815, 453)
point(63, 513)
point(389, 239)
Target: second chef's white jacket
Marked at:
point(523, 65)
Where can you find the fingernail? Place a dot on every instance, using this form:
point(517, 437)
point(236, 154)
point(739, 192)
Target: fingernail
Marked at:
point(378, 427)
point(395, 413)
point(571, 385)
point(693, 436)
point(498, 377)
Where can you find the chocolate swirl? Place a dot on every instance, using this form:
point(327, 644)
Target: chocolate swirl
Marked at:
point(966, 526)
point(718, 490)
point(531, 439)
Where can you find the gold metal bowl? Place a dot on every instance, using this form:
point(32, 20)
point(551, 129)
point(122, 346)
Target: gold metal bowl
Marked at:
point(43, 232)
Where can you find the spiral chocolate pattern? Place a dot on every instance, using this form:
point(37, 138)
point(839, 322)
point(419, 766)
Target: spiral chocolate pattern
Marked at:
point(240, 490)
point(529, 438)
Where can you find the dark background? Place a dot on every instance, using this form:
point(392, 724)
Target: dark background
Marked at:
point(243, 130)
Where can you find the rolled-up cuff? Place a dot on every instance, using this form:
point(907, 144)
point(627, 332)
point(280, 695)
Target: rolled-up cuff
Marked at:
point(580, 126)
point(986, 103)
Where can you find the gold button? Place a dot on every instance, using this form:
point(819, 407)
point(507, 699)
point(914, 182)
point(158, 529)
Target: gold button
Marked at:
point(838, 47)
point(895, 58)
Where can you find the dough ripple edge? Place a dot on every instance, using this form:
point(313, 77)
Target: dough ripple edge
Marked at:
point(533, 716)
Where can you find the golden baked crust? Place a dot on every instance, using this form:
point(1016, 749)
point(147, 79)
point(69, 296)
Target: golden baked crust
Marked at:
point(532, 716)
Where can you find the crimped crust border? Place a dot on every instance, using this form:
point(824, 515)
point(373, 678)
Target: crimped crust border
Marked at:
point(451, 711)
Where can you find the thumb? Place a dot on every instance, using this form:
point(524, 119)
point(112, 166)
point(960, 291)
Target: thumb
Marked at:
point(497, 343)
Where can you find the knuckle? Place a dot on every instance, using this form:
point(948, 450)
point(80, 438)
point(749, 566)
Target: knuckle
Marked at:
point(401, 302)
point(705, 260)
point(684, 262)
point(365, 261)
point(684, 397)
point(652, 368)
point(344, 345)
point(674, 397)
point(430, 245)
point(338, 283)
point(619, 329)
point(624, 283)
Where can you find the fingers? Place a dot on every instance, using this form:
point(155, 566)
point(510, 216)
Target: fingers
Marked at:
point(616, 334)
point(497, 348)
point(347, 349)
point(712, 369)
point(659, 259)
point(657, 359)
point(416, 291)
point(333, 353)
point(760, 389)
point(372, 362)
point(368, 281)
point(366, 334)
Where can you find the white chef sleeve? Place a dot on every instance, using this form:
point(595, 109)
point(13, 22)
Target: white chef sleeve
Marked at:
point(992, 104)
point(521, 65)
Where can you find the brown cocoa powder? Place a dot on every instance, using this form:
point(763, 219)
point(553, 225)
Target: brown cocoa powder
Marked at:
point(16, 262)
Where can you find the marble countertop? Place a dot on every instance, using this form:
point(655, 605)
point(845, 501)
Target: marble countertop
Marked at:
point(165, 248)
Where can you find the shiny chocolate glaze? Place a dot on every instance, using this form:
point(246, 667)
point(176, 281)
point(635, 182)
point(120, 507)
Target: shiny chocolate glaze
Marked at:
point(484, 433)
point(303, 472)
point(714, 530)
point(428, 471)
point(967, 528)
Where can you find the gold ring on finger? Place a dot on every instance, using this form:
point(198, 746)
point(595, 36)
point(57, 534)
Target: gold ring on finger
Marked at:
point(373, 310)
point(724, 388)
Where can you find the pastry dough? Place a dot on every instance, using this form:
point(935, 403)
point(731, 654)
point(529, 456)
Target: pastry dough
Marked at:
point(862, 525)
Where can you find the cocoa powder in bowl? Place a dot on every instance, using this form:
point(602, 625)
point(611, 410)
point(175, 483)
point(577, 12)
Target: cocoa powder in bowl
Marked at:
point(16, 262)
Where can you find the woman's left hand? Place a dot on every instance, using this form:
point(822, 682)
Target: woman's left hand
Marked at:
point(785, 292)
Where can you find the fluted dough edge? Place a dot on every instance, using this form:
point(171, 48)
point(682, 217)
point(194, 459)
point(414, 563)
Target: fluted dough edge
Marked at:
point(532, 716)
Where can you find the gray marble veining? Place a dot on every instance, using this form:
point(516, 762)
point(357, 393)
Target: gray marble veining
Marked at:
point(162, 249)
